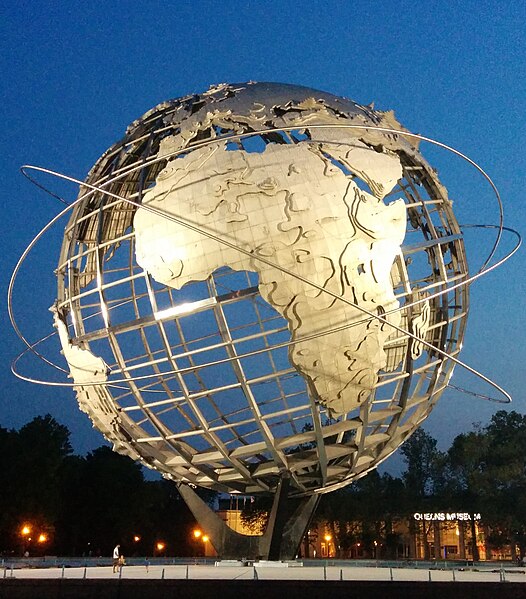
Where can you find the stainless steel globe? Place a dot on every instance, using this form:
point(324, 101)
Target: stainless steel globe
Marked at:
point(261, 279)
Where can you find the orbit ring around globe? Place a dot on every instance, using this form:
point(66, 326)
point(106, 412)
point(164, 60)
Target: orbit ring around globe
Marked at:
point(484, 269)
point(261, 336)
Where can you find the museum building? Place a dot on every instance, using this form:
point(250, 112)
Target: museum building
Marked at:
point(421, 535)
point(425, 536)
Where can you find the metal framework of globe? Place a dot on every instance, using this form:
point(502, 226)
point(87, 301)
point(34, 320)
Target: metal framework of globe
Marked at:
point(258, 284)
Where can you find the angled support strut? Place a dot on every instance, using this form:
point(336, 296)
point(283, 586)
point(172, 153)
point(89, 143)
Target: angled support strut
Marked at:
point(287, 524)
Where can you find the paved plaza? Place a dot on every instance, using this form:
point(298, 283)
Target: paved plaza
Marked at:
point(261, 581)
point(269, 571)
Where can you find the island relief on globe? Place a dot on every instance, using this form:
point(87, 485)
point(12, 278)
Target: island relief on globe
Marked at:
point(295, 207)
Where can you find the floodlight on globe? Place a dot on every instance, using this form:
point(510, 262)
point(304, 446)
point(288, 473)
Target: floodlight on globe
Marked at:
point(259, 283)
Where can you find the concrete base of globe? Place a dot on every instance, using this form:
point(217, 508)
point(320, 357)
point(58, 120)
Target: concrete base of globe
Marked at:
point(287, 524)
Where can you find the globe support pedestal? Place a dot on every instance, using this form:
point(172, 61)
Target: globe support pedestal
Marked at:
point(287, 524)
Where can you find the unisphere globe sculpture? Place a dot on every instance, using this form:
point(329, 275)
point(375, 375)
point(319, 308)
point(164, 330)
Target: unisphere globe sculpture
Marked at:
point(226, 276)
point(261, 281)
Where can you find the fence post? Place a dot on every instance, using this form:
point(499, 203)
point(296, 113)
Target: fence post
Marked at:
point(341, 573)
point(162, 575)
point(391, 573)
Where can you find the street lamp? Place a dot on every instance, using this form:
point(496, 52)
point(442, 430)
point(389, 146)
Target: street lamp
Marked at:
point(328, 539)
point(42, 538)
point(205, 539)
point(198, 536)
point(25, 530)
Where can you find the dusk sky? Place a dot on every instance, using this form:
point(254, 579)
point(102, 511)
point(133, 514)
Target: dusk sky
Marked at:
point(75, 74)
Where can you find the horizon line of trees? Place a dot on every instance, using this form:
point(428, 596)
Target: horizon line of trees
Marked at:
point(84, 505)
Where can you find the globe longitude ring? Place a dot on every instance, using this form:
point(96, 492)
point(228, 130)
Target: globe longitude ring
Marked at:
point(278, 280)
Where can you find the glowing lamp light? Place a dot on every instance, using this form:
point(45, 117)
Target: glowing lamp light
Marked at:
point(25, 530)
point(136, 538)
point(160, 546)
point(205, 538)
point(328, 538)
point(197, 533)
point(42, 538)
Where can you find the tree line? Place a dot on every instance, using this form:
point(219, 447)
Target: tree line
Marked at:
point(84, 505)
point(53, 502)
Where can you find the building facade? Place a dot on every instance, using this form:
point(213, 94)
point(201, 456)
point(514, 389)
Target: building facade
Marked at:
point(425, 536)
point(417, 536)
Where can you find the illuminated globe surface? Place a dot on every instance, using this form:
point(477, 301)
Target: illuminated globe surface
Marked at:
point(256, 281)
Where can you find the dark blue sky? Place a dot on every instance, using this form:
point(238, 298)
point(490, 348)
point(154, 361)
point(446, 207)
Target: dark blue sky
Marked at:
point(75, 74)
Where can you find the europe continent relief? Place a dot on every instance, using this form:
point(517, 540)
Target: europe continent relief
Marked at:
point(327, 248)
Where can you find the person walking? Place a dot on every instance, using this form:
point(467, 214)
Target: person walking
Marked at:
point(116, 556)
